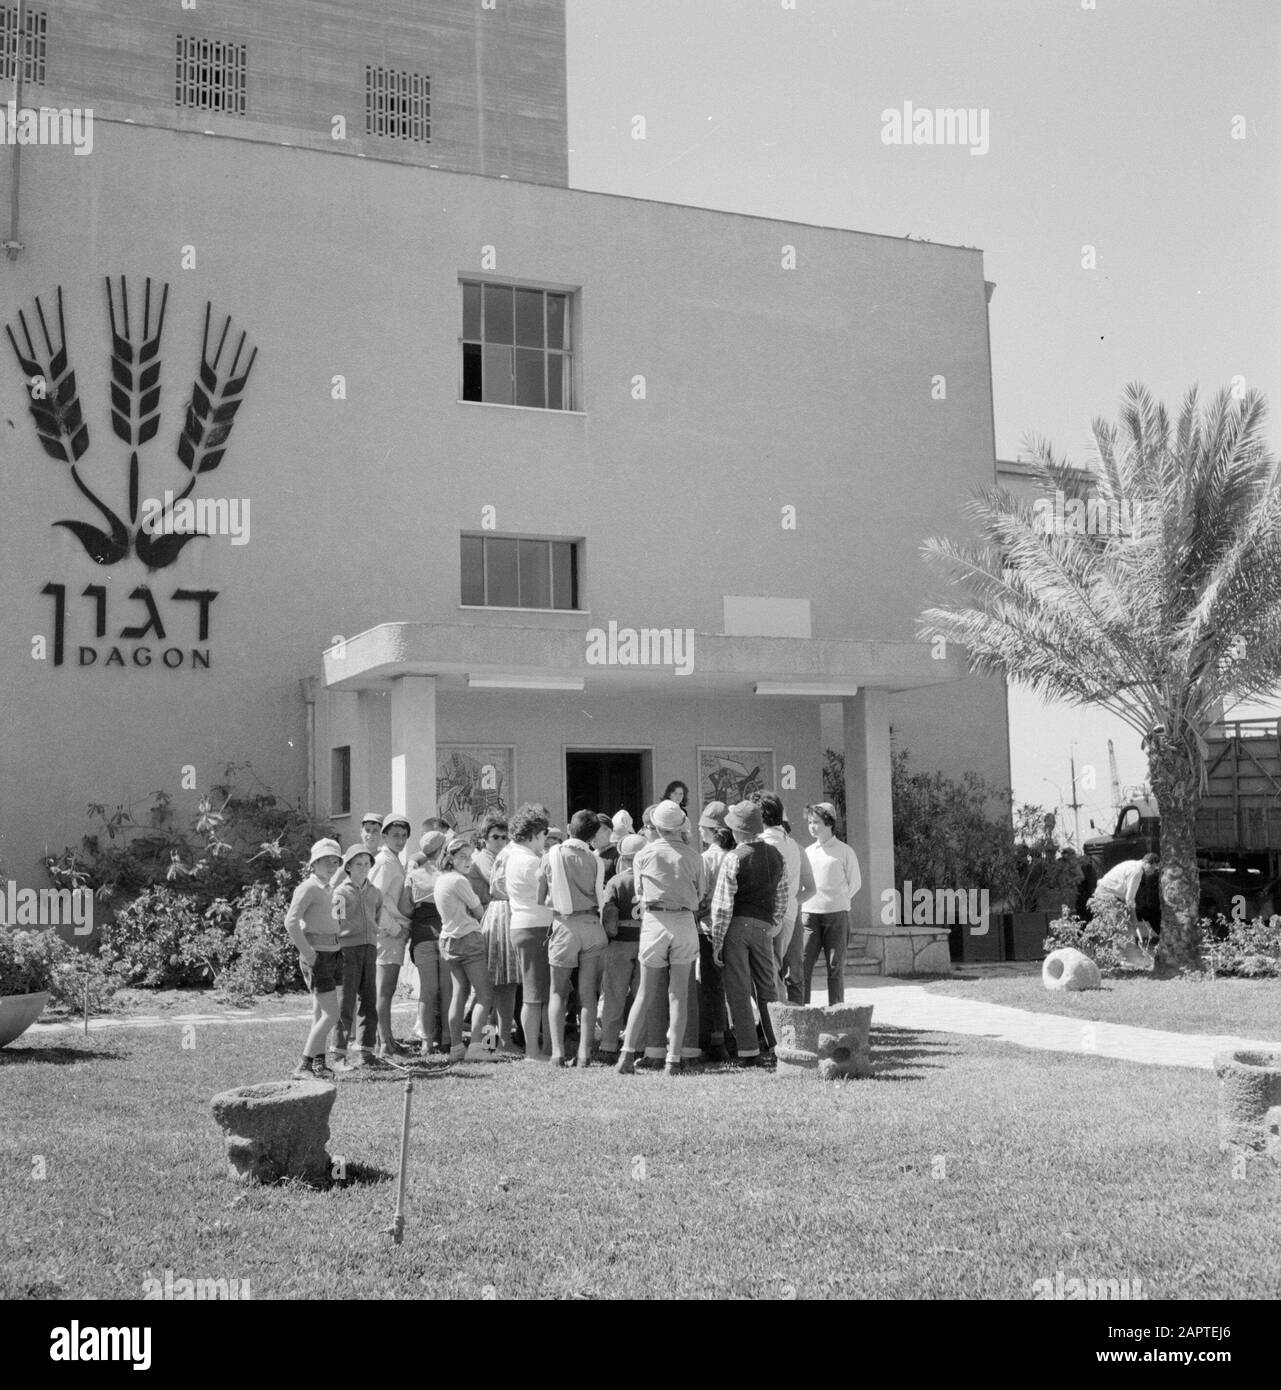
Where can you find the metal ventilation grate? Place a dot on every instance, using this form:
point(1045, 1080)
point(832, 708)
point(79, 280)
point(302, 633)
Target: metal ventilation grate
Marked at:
point(397, 104)
point(210, 75)
point(36, 23)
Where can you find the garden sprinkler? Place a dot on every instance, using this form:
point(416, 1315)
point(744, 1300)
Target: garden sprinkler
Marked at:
point(397, 1228)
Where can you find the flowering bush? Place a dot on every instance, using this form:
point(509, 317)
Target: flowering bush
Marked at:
point(237, 837)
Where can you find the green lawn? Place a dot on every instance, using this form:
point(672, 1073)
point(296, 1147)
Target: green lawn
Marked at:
point(964, 1169)
point(1193, 1004)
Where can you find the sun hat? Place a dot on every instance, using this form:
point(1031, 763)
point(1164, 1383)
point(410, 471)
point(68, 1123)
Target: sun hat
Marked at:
point(352, 851)
point(631, 846)
point(371, 816)
point(713, 817)
point(623, 827)
point(668, 816)
point(395, 818)
point(327, 849)
point(746, 818)
point(431, 842)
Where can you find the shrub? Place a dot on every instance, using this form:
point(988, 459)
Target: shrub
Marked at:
point(147, 942)
point(263, 959)
point(1249, 949)
point(27, 960)
point(72, 970)
point(1102, 941)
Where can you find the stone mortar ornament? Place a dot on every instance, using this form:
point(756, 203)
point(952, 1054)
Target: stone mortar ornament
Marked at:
point(1250, 1102)
point(1070, 969)
point(832, 1040)
point(276, 1129)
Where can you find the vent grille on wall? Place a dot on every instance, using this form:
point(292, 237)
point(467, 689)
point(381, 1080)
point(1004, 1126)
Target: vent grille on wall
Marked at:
point(397, 104)
point(36, 23)
point(210, 75)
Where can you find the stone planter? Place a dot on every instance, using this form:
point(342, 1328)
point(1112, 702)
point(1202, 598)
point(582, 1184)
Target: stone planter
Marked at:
point(277, 1129)
point(830, 1040)
point(18, 1012)
point(1071, 970)
point(1250, 1102)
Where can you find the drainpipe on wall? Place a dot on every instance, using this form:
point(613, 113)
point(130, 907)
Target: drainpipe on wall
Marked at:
point(310, 685)
point(13, 245)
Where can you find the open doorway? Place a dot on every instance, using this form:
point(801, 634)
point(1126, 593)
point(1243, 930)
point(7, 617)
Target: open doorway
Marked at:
point(608, 780)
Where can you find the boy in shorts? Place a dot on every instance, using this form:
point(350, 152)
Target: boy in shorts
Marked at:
point(575, 880)
point(357, 906)
point(313, 928)
point(669, 880)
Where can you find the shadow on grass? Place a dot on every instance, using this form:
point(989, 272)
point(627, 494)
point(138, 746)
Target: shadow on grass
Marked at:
point(895, 1052)
point(58, 1056)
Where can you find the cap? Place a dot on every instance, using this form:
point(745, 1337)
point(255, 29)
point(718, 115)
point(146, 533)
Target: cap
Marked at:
point(326, 849)
point(457, 842)
point(713, 817)
point(432, 841)
point(668, 816)
point(631, 846)
point(746, 818)
point(395, 819)
point(354, 850)
point(622, 826)
point(371, 816)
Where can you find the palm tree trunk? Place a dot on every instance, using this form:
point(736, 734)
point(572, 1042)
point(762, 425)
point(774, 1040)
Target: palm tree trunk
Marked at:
point(1176, 782)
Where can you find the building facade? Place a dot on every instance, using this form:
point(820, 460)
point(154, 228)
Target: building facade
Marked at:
point(515, 491)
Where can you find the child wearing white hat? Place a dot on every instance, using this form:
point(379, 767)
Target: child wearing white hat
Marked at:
point(313, 929)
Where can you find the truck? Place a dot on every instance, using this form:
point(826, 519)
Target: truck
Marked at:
point(1238, 826)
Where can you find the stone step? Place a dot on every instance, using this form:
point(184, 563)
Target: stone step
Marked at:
point(862, 965)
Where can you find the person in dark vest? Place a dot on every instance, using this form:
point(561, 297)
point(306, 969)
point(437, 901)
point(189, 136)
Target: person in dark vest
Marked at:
point(749, 904)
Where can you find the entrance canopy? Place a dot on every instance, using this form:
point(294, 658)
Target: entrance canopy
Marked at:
point(614, 659)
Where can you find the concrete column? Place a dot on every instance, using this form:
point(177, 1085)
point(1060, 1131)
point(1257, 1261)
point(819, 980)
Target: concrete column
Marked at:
point(869, 820)
point(370, 755)
point(413, 747)
point(899, 948)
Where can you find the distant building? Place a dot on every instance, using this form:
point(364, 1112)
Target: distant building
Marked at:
point(528, 493)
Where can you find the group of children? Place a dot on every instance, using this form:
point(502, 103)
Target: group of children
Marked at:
point(601, 928)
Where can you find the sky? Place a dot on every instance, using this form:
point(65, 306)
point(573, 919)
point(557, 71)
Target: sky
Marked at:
point(1146, 130)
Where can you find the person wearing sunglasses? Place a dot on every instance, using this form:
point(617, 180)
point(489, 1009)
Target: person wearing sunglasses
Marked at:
point(488, 878)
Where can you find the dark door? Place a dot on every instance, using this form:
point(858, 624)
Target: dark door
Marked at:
point(605, 781)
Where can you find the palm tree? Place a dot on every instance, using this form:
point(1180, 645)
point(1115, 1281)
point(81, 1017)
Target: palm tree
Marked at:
point(1160, 615)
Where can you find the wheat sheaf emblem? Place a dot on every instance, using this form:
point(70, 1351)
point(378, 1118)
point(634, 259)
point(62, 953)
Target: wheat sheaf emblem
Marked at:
point(216, 396)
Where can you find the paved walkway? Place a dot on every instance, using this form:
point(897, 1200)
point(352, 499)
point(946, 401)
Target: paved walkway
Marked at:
point(897, 1004)
point(913, 1006)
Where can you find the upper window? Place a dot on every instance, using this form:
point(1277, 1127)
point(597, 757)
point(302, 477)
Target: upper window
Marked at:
point(36, 23)
point(397, 104)
point(517, 348)
point(210, 75)
point(519, 572)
